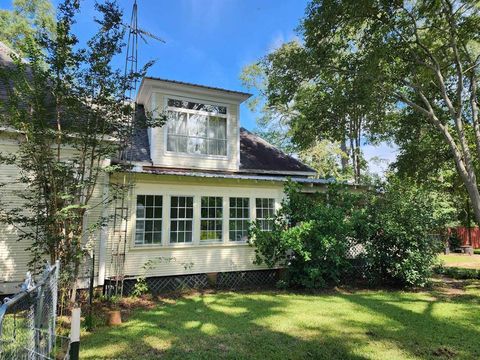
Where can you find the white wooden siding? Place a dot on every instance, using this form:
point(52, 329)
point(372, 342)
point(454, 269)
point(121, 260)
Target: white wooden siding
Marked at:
point(204, 258)
point(13, 255)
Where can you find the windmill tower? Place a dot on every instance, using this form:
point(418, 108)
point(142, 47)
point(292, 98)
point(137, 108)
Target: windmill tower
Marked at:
point(122, 208)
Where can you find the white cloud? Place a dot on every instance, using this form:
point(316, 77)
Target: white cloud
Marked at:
point(207, 14)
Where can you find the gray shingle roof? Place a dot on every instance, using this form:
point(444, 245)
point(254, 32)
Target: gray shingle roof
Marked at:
point(257, 154)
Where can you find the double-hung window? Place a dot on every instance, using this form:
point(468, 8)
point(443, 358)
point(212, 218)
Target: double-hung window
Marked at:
point(181, 219)
point(195, 128)
point(211, 219)
point(148, 226)
point(265, 209)
point(239, 218)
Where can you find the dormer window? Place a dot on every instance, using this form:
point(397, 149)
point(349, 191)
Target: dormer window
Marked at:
point(196, 128)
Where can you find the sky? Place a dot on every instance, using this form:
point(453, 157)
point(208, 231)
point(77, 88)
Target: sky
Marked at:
point(208, 42)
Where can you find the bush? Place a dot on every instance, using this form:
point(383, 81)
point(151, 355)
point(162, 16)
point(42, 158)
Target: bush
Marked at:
point(458, 273)
point(401, 250)
point(141, 287)
point(310, 236)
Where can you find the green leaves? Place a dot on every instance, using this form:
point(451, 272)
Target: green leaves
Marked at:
point(394, 232)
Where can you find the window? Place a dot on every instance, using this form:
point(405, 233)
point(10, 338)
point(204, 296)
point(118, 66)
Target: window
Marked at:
point(265, 212)
point(148, 227)
point(211, 218)
point(195, 128)
point(181, 219)
point(183, 104)
point(239, 218)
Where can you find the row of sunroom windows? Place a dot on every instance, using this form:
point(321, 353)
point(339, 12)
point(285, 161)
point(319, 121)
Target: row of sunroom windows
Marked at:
point(149, 221)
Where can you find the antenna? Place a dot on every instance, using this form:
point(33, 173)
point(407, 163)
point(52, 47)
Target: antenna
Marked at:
point(131, 69)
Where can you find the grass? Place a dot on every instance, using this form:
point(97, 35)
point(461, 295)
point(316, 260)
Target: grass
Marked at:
point(461, 260)
point(438, 324)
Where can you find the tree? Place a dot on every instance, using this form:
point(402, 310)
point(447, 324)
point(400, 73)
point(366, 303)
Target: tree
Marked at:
point(27, 18)
point(316, 102)
point(68, 106)
point(423, 56)
point(326, 157)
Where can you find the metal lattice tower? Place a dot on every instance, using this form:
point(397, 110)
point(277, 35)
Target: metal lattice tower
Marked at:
point(119, 245)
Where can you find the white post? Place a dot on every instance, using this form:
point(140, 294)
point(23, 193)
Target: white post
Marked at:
point(102, 249)
point(75, 334)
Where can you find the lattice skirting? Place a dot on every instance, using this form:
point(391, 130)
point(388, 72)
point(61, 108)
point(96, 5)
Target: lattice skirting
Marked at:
point(241, 279)
point(223, 280)
point(162, 284)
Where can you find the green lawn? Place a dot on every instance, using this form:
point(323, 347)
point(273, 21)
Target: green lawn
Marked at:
point(461, 260)
point(441, 324)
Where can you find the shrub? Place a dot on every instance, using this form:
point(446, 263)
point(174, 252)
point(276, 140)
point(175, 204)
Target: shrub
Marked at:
point(310, 236)
point(141, 287)
point(458, 273)
point(401, 250)
point(313, 233)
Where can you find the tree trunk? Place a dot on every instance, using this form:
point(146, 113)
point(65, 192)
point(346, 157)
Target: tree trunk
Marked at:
point(344, 159)
point(474, 196)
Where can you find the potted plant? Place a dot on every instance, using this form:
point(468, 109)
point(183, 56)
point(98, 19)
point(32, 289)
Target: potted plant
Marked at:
point(114, 315)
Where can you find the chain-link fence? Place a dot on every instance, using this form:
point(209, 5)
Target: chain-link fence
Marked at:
point(28, 319)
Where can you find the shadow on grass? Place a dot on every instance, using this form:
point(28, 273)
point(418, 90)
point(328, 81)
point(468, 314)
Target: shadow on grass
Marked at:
point(422, 333)
point(224, 326)
point(269, 325)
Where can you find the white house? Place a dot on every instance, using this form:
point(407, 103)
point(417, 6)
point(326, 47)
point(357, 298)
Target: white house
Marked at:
point(199, 181)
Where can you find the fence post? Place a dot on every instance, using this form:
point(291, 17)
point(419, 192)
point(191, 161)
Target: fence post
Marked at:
point(75, 334)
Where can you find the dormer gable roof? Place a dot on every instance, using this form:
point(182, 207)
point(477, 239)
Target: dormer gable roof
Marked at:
point(149, 84)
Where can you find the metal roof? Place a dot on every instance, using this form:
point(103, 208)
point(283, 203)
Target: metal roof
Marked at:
point(163, 171)
point(198, 85)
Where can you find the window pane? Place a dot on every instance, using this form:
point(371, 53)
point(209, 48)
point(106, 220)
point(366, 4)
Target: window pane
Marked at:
point(177, 123)
point(265, 210)
point(197, 125)
point(140, 211)
point(239, 219)
point(196, 145)
point(181, 221)
point(211, 218)
point(147, 230)
point(217, 128)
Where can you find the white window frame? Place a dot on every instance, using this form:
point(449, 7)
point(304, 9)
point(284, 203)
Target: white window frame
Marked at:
point(262, 209)
point(153, 219)
point(206, 113)
point(208, 218)
point(246, 219)
point(171, 219)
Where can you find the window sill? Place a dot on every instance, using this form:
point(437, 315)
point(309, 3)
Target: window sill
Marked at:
point(190, 246)
point(196, 156)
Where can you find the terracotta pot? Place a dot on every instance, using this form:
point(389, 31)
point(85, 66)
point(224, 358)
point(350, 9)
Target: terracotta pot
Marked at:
point(114, 317)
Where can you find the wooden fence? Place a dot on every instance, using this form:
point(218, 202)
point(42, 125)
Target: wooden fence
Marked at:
point(473, 239)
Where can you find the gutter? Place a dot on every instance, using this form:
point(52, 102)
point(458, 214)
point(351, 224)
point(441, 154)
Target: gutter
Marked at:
point(302, 180)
